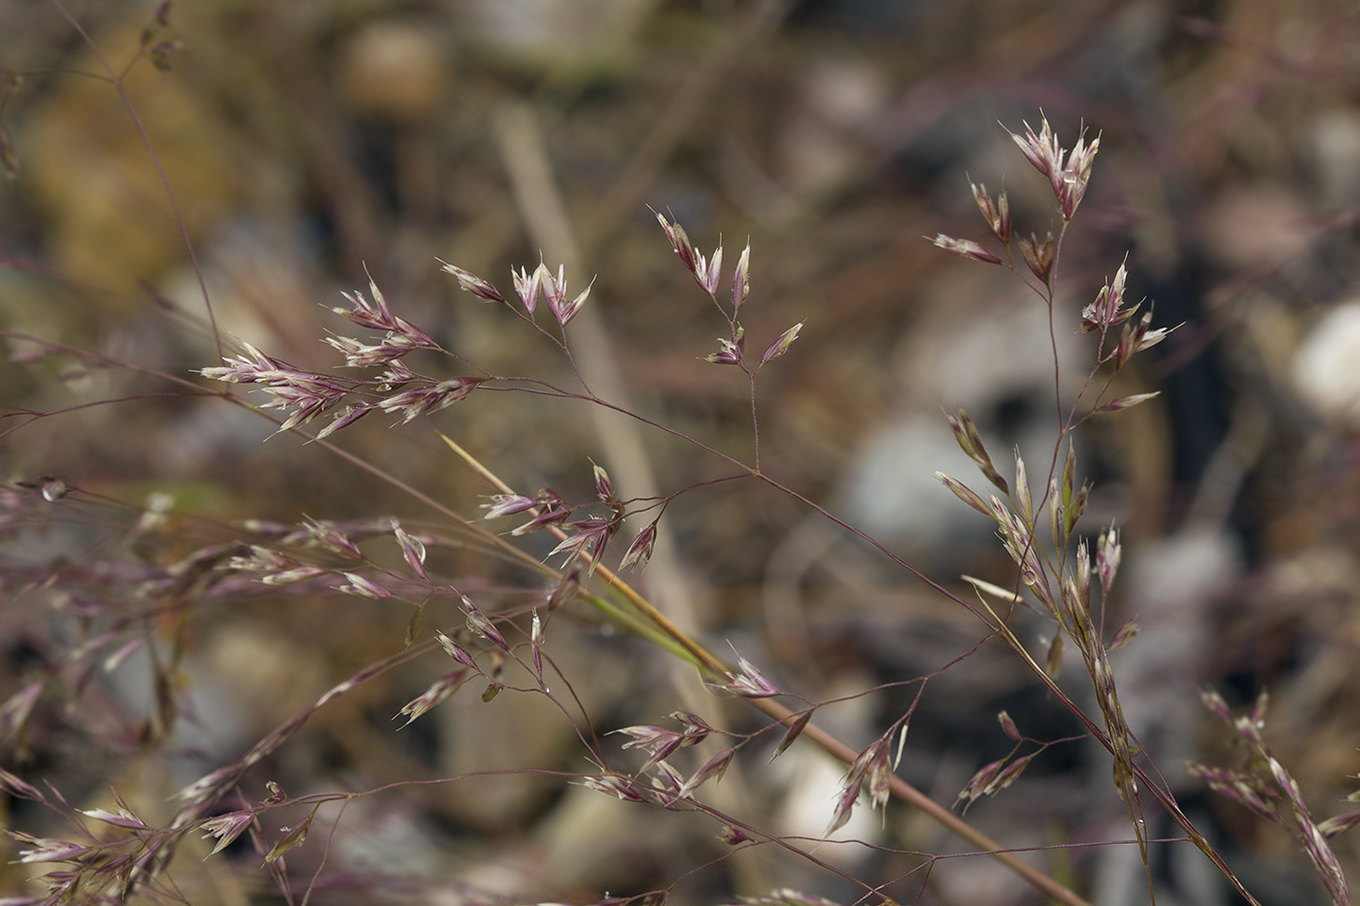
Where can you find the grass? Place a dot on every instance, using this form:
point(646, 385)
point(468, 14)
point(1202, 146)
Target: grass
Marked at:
point(374, 698)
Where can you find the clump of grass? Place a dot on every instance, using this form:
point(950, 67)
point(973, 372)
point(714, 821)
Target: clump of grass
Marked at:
point(501, 641)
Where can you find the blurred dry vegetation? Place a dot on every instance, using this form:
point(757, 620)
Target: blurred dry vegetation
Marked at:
point(307, 141)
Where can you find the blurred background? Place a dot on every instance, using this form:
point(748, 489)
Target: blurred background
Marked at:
point(311, 144)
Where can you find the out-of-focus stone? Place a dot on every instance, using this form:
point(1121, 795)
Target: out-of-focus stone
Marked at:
point(109, 220)
point(1327, 366)
point(394, 70)
point(579, 33)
